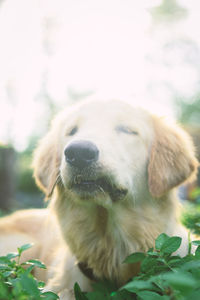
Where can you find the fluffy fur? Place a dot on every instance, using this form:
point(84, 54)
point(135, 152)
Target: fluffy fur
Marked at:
point(142, 158)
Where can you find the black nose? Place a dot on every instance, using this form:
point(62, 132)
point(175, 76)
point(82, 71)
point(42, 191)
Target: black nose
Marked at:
point(81, 154)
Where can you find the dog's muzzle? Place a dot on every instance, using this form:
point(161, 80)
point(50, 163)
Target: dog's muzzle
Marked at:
point(99, 186)
point(86, 180)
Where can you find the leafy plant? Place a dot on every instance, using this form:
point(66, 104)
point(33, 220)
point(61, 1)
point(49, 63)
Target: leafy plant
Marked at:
point(17, 281)
point(195, 195)
point(191, 218)
point(162, 275)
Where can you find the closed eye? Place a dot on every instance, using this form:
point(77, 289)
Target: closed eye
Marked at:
point(126, 129)
point(72, 131)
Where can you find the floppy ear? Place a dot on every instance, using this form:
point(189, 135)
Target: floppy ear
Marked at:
point(172, 158)
point(46, 163)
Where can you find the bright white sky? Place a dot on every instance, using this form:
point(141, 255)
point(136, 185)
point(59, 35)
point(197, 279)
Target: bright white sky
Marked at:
point(99, 45)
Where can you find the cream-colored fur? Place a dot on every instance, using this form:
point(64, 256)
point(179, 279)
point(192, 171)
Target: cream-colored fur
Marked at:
point(148, 158)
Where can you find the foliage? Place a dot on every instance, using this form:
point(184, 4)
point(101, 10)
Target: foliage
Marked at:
point(195, 195)
point(2, 213)
point(191, 218)
point(16, 280)
point(162, 275)
point(168, 11)
point(188, 109)
point(5, 146)
point(26, 183)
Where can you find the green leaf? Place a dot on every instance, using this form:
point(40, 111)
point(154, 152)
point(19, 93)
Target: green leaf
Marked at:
point(49, 296)
point(181, 281)
point(97, 296)
point(24, 248)
point(148, 295)
point(104, 286)
point(158, 282)
point(197, 252)
point(174, 262)
point(196, 243)
point(29, 269)
point(161, 239)
point(12, 255)
point(147, 264)
point(137, 285)
point(8, 273)
point(135, 257)
point(153, 253)
point(29, 284)
point(171, 245)
point(36, 263)
point(78, 293)
point(121, 295)
point(17, 288)
point(4, 292)
point(191, 265)
point(4, 267)
point(194, 295)
point(4, 260)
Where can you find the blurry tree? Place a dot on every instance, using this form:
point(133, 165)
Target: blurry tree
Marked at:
point(178, 53)
point(178, 50)
point(188, 113)
point(7, 177)
point(25, 180)
point(188, 110)
point(168, 11)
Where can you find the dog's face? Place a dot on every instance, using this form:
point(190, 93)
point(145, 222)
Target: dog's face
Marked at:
point(110, 151)
point(100, 143)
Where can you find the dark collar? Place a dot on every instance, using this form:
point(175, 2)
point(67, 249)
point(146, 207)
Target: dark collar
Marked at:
point(88, 272)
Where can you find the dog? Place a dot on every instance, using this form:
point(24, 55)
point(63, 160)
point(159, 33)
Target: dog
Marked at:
point(111, 172)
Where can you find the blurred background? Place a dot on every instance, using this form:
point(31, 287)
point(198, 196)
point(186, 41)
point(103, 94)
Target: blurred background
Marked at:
point(54, 53)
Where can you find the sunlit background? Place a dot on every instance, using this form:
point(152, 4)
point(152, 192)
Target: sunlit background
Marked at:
point(54, 53)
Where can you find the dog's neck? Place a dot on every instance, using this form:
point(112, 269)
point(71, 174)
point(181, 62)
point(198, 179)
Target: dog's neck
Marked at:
point(102, 238)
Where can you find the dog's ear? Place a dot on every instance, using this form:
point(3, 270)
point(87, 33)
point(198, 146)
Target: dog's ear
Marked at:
point(46, 163)
point(172, 158)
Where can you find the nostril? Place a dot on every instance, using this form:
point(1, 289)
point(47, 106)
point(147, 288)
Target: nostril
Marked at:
point(69, 156)
point(69, 153)
point(81, 153)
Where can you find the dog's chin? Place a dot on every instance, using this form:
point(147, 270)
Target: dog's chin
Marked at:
point(101, 187)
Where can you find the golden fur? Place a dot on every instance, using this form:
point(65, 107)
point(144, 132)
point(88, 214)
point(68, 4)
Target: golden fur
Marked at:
point(147, 158)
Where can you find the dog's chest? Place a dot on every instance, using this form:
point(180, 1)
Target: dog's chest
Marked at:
point(101, 245)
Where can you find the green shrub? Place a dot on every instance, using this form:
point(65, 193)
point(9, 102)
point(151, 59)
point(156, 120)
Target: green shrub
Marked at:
point(17, 282)
point(191, 218)
point(25, 180)
point(162, 275)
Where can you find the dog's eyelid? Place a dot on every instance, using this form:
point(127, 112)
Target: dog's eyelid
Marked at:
point(72, 131)
point(126, 129)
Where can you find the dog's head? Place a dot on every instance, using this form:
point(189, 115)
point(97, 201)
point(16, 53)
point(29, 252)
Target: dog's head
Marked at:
point(111, 151)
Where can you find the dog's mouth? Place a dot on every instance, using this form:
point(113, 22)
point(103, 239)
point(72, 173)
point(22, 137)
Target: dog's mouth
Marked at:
point(101, 185)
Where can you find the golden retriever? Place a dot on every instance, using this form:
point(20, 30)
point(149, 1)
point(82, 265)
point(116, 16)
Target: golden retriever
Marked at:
point(110, 170)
